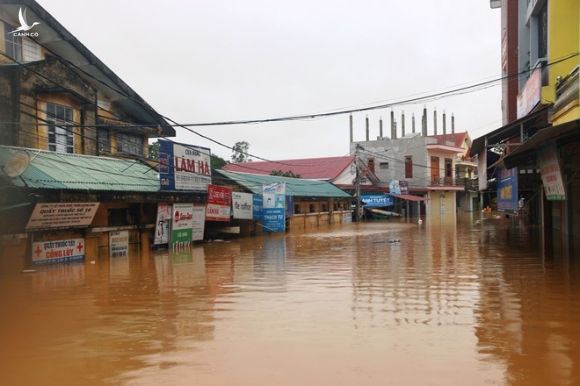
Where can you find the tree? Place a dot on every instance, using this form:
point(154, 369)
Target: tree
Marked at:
point(240, 152)
point(289, 173)
point(154, 151)
point(217, 162)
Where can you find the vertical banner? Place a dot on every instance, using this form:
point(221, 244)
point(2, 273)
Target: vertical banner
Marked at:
point(182, 225)
point(184, 167)
point(507, 189)
point(219, 203)
point(162, 226)
point(198, 223)
point(257, 203)
point(394, 187)
point(274, 219)
point(243, 205)
point(482, 170)
point(551, 173)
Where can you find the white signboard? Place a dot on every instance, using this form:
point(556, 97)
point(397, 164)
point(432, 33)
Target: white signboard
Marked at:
point(482, 170)
point(198, 222)
point(62, 215)
point(163, 224)
point(551, 174)
point(274, 195)
point(58, 251)
point(119, 244)
point(243, 205)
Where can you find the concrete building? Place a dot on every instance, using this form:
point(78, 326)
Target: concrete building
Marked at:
point(73, 136)
point(536, 146)
point(426, 167)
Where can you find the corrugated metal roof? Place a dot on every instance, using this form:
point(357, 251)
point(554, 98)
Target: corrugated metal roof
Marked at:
point(324, 168)
point(294, 186)
point(51, 170)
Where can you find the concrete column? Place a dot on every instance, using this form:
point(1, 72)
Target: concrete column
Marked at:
point(452, 124)
point(350, 124)
point(444, 124)
point(403, 124)
point(393, 126)
point(434, 122)
point(367, 127)
point(424, 122)
point(413, 122)
point(381, 127)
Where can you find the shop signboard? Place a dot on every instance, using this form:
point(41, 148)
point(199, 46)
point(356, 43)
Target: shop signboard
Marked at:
point(184, 167)
point(182, 225)
point(242, 205)
point(274, 211)
point(377, 200)
point(257, 204)
point(219, 203)
point(119, 244)
point(507, 189)
point(62, 215)
point(198, 223)
point(163, 224)
point(394, 187)
point(58, 251)
point(551, 173)
point(404, 187)
point(482, 170)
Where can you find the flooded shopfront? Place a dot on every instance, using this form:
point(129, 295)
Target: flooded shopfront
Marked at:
point(360, 304)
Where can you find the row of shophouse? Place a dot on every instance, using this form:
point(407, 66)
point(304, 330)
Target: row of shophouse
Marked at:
point(77, 180)
point(531, 162)
point(75, 173)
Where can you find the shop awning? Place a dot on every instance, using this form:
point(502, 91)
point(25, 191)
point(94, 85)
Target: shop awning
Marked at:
point(540, 139)
point(409, 197)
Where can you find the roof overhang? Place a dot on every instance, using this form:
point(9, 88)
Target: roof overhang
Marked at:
point(445, 148)
point(526, 153)
point(514, 129)
point(65, 45)
point(439, 188)
point(409, 197)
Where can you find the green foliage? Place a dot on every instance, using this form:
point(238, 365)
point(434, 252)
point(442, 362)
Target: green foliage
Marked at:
point(289, 173)
point(240, 152)
point(217, 162)
point(154, 151)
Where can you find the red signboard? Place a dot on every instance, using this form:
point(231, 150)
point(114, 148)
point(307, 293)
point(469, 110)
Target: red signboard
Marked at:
point(219, 203)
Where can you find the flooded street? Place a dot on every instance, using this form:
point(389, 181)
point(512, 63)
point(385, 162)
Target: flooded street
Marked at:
point(361, 304)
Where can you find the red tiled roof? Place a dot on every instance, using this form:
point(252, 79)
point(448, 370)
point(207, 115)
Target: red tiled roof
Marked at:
point(327, 168)
point(458, 138)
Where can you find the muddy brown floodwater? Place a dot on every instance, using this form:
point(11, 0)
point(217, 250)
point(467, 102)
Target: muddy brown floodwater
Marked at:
point(362, 304)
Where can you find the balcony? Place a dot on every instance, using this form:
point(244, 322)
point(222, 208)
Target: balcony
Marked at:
point(470, 184)
point(567, 90)
point(446, 183)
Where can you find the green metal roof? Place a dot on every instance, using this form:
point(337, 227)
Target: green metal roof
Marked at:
point(294, 186)
point(51, 170)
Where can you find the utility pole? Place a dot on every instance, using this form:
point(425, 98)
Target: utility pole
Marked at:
point(357, 184)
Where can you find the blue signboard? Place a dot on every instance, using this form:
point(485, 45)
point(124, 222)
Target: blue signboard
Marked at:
point(274, 220)
point(257, 207)
point(377, 200)
point(507, 189)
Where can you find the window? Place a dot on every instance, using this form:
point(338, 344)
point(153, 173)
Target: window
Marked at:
point(371, 164)
point(383, 165)
point(311, 208)
point(408, 167)
point(448, 168)
point(130, 144)
point(103, 141)
point(543, 32)
point(297, 208)
point(13, 43)
point(60, 136)
point(324, 207)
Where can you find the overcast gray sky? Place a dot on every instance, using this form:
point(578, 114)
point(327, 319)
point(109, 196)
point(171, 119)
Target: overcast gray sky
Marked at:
point(217, 60)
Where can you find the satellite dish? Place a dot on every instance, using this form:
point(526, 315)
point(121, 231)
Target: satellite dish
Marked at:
point(17, 164)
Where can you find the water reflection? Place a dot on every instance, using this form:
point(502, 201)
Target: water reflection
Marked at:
point(358, 304)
